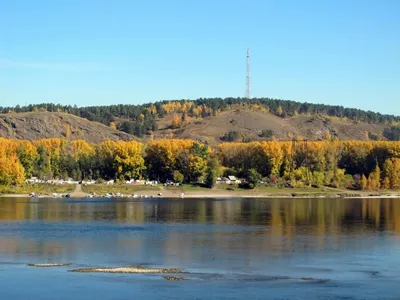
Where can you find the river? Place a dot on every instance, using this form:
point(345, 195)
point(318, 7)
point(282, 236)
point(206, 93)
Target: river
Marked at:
point(231, 248)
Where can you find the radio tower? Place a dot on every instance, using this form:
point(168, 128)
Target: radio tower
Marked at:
point(248, 89)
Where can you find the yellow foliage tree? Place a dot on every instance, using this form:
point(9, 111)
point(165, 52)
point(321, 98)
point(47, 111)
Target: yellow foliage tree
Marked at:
point(279, 111)
point(176, 121)
point(80, 148)
point(374, 179)
point(11, 171)
point(391, 170)
point(128, 159)
point(113, 126)
point(363, 182)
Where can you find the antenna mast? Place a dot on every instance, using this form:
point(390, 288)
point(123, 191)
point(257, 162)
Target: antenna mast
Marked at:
point(248, 89)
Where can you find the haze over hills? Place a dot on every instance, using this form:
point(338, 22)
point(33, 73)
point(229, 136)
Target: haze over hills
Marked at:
point(208, 120)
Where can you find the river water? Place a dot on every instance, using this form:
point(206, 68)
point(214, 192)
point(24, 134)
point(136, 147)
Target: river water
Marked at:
point(232, 248)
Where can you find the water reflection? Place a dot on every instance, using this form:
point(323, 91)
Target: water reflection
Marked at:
point(282, 214)
point(197, 231)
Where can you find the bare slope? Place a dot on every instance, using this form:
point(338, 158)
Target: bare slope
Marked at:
point(251, 124)
point(39, 125)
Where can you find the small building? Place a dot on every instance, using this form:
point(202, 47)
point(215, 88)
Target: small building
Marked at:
point(225, 180)
point(88, 182)
point(32, 180)
point(234, 180)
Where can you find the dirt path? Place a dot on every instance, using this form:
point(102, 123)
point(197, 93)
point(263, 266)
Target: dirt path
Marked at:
point(78, 193)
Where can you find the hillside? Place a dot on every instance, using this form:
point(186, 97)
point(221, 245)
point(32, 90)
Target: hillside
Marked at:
point(211, 120)
point(39, 125)
point(250, 125)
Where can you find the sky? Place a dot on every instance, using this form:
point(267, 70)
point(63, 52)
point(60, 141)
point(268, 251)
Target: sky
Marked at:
point(95, 52)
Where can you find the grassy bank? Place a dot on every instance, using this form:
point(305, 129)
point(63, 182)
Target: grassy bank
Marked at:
point(36, 188)
point(193, 191)
point(102, 189)
point(259, 189)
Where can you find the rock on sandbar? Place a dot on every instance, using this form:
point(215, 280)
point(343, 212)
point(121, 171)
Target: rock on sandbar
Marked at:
point(48, 265)
point(129, 270)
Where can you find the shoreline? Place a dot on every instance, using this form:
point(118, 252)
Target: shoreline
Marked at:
point(151, 194)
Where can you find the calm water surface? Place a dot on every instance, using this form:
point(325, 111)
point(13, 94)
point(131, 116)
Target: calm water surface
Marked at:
point(232, 249)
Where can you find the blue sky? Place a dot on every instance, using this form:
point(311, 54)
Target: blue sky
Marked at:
point(90, 52)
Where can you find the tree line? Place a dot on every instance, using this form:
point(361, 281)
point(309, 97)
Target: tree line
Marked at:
point(349, 164)
point(140, 119)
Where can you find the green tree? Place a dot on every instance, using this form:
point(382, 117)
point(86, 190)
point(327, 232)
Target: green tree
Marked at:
point(43, 164)
point(212, 173)
point(318, 178)
point(178, 176)
point(254, 178)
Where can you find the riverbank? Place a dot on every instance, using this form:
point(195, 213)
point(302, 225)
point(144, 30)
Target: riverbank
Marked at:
point(216, 193)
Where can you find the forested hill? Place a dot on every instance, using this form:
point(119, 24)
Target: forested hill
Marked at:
point(206, 107)
point(228, 119)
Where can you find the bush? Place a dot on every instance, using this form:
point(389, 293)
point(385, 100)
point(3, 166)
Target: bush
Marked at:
point(348, 182)
point(254, 178)
point(373, 136)
point(267, 133)
point(232, 136)
point(178, 176)
point(273, 179)
point(317, 179)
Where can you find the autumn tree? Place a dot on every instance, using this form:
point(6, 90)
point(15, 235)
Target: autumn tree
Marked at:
point(11, 171)
point(279, 111)
point(28, 156)
point(176, 122)
point(374, 179)
point(128, 159)
point(113, 125)
point(391, 171)
point(332, 163)
point(363, 182)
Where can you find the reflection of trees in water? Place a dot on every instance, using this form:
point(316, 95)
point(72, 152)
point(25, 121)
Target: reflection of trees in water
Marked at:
point(280, 226)
point(281, 215)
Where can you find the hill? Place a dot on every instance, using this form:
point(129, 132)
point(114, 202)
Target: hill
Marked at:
point(39, 125)
point(254, 125)
point(211, 120)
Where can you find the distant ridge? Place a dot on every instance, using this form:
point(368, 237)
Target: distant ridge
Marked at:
point(216, 119)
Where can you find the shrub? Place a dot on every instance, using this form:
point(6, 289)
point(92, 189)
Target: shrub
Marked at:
point(267, 133)
point(232, 136)
point(178, 176)
point(254, 178)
